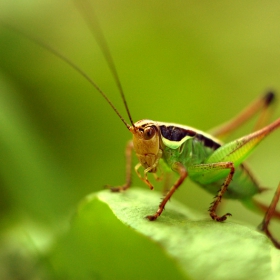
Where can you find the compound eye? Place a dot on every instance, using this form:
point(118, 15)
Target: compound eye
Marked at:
point(149, 132)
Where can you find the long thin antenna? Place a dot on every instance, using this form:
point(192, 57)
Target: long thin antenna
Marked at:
point(90, 18)
point(67, 61)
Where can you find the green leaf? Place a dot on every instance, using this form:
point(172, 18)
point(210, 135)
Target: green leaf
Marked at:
point(99, 246)
point(110, 235)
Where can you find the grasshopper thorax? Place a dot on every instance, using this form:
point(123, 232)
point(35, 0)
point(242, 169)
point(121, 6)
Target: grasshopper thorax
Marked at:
point(146, 142)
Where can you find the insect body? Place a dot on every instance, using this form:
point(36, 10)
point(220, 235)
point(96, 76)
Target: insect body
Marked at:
point(203, 158)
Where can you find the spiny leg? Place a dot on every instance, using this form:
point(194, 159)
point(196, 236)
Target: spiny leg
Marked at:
point(128, 157)
point(263, 103)
point(205, 173)
point(218, 198)
point(179, 167)
point(235, 152)
point(269, 214)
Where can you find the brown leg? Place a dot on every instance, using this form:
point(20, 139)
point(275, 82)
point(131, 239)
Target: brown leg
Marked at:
point(147, 170)
point(218, 198)
point(261, 104)
point(145, 178)
point(269, 214)
point(128, 156)
point(183, 174)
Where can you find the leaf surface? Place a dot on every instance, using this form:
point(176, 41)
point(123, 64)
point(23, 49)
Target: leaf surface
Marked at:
point(109, 238)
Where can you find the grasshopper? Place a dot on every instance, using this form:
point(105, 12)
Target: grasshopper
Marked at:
point(217, 167)
point(192, 153)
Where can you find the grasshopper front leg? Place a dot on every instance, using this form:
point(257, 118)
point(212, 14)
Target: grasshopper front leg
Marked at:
point(147, 170)
point(180, 168)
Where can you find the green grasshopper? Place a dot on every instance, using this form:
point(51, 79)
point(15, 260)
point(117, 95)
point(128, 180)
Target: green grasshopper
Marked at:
point(219, 168)
point(195, 154)
point(192, 153)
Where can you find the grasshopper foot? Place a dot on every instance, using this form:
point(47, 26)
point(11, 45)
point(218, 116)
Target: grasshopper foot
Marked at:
point(117, 189)
point(152, 217)
point(215, 217)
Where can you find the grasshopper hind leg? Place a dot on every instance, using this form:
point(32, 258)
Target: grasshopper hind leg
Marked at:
point(268, 216)
point(262, 105)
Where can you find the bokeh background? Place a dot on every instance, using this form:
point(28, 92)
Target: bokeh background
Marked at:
point(191, 62)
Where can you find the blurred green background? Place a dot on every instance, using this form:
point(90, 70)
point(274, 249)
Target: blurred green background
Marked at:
point(191, 62)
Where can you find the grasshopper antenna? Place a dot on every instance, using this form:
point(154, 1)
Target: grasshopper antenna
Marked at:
point(67, 61)
point(90, 18)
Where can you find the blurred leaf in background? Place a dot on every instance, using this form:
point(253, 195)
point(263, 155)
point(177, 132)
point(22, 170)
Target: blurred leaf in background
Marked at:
point(190, 62)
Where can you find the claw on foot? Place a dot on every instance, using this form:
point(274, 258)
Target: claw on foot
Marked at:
point(117, 189)
point(219, 219)
point(151, 217)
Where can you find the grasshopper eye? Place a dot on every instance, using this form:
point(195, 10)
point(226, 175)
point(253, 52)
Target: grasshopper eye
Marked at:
point(149, 132)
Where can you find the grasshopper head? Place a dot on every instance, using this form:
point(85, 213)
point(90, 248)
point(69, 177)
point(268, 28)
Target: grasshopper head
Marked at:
point(146, 141)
